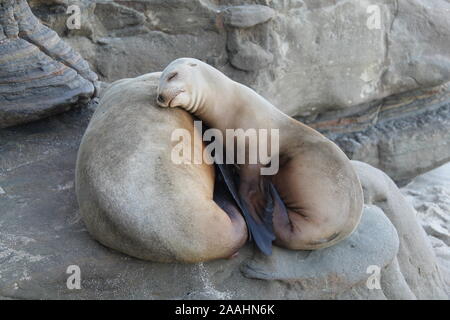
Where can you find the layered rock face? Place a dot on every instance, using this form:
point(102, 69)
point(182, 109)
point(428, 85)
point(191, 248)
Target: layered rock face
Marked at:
point(40, 74)
point(350, 68)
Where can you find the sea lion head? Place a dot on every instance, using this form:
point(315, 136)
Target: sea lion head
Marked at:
point(179, 83)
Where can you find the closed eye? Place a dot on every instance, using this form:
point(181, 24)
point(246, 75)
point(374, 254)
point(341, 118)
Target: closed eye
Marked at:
point(172, 76)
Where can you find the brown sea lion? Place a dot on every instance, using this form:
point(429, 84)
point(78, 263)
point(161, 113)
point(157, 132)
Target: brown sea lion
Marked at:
point(134, 199)
point(315, 199)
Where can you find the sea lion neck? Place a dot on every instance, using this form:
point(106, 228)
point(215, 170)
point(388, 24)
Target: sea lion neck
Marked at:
point(216, 105)
point(197, 103)
point(231, 105)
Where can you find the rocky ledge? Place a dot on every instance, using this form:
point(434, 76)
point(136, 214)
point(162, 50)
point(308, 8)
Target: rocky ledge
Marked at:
point(42, 235)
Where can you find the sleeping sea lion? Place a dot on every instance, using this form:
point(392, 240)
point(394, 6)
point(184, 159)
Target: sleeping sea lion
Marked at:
point(314, 200)
point(134, 199)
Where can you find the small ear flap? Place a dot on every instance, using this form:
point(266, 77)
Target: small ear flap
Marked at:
point(191, 64)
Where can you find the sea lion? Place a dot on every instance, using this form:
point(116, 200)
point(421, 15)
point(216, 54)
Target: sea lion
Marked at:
point(315, 199)
point(134, 199)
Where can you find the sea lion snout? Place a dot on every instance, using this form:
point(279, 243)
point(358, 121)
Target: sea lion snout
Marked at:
point(166, 94)
point(171, 97)
point(176, 82)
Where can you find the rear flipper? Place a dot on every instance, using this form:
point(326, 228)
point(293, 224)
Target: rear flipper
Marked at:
point(256, 202)
point(281, 221)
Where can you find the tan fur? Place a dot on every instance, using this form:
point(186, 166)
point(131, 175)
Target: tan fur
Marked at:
point(133, 198)
point(316, 180)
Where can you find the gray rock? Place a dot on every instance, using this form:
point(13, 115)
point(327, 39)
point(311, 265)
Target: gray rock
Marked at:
point(429, 194)
point(403, 144)
point(394, 284)
point(416, 259)
point(321, 61)
point(250, 56)
point(329, 55)
point(375, 242)
point(41, 75)
point(114, 16)
point(247, 16)
point(344, 66)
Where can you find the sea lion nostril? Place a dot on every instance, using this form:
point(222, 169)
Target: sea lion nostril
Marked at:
point(161, 98)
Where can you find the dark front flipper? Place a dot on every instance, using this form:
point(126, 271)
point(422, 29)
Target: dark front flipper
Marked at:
point(256, 203)
point(224, 199)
